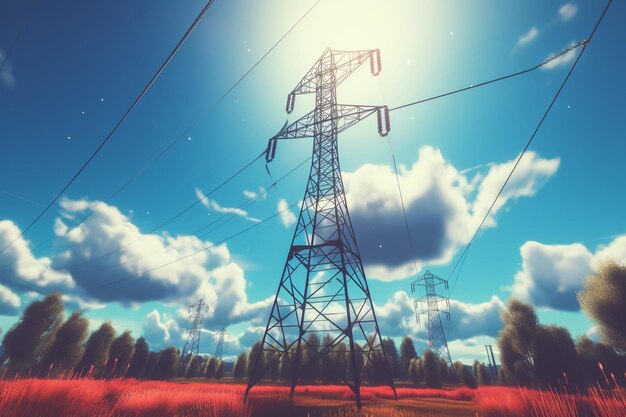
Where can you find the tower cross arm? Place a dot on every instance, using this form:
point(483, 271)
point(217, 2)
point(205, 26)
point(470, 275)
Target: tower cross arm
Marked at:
point(346, 116)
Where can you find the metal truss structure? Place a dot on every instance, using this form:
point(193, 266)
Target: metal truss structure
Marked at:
point(323, 289)
point(430, 306)
point(221, 339)
point(492, 363)
point(197, 311)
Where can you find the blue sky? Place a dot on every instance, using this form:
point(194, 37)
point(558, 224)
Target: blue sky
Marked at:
point(77, 66)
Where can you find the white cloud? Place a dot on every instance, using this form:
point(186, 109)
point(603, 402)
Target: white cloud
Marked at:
point(9, 302)
point(287, 217)
point(528, 37)
point(397, 318)
point(7, 78)
point(261, 193)
point(568, 11)
point(443, 207)
point(23, 266)
point(215, 206)
point(551, 275)
point(157, 333)
point(561, 60)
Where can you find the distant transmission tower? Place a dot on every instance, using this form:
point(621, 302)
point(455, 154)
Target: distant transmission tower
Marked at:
point(492, 362)
point(429, 305)
point(323, 289)
point(197, 311)
point(221, 338)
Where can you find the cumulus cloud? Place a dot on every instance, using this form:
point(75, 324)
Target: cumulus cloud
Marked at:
point(159, 333)
point(9, 302)
point(568, 11)
point(215, 206)
point(20, 267)
point(7, 78)
point(561, 60)
point(443, 207)
point(397, 318)
point(287, 217)
point(551, 275)
point(528, 37)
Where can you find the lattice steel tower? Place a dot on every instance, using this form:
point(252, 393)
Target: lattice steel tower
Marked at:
point(323, 288)
point(197, 311)
point(221, 338)
point(430, 305)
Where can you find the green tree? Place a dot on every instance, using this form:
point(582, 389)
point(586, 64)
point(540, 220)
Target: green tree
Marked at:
point(167, 364)
point(416, 370)
point(393, 358)
point(407, 352)
point(239, 369)
point(25, 343)
point(139, 360)
point(120, 354)
point(432, 378)
point(555, 358)
point(465, 374)
point(211, 367)
point(256, 360)
point(193, 367)
point(67, 348)
point(310, 359)
point(219, 372)
point(603, 300)
point(96, 351)
point(151, 362)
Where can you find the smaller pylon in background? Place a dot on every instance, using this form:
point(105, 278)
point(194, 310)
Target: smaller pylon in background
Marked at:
point(197, 311)
point(221, 339)
point(430, 305)
point(492, 362)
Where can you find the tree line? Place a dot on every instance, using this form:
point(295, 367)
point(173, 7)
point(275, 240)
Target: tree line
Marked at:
point(42, 344)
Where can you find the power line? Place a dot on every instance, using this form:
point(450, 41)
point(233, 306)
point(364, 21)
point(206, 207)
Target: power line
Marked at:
point(27, 18)
point(165, 150)
point(584, 45)
point(119, 123)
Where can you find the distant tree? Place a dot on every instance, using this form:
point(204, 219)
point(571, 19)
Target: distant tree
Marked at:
point(407, 352)
point(310, 359)
point(219, 372)
point(376, 371)
point(416, 370)
point(340, 362)
point(96, 351)
point(25, 343)
point(273, 370)
point(67, 348)
point(598, 361)
point(151, 362)
point(167, 364)
point(193, 367)
point(256, 360)
point(481, 374)
point(444, 371)
point(432, 378)
point(239, 369)
point(391, 351)
point(139, 360)
point(603, 300)
point(285, 368)
point(465, 374)
point(329, 366)
point(211, 367)
point(555, 358)
point(359, 361)
point(120, 354)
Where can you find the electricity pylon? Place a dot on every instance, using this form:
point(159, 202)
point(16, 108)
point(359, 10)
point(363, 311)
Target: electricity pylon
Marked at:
point(429, 305)
point(323, 288)
point(492, 363)
point(197, 311)
point(221, 338)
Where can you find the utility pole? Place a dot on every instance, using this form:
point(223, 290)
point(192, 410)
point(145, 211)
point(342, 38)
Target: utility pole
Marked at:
point(430, 305)
point(221, 339)
point(323, 288)
point(492, 363)
point(197, 311)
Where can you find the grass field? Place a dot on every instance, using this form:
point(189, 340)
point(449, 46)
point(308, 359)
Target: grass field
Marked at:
point(121, 398)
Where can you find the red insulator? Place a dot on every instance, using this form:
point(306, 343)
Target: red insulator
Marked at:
point(291, 101)
point(375, 63)
point(384, 122)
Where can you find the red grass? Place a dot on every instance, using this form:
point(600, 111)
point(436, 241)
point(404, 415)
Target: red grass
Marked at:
point(131, 398)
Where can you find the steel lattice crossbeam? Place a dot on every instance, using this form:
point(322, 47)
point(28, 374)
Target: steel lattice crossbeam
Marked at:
point(323, 288)
point(197, 311)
